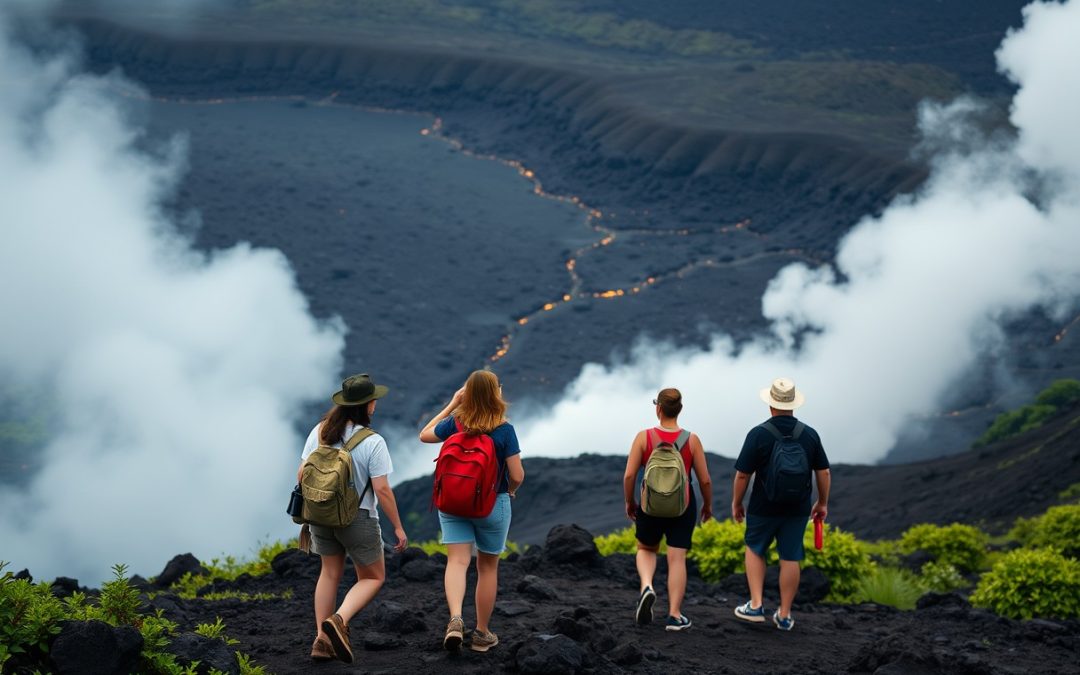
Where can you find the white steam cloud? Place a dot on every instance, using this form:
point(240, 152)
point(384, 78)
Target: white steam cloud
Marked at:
point(174, 375)
point(920, 292)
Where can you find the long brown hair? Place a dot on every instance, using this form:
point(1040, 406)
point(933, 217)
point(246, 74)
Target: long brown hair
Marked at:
point(482, 407)
point(335, 419)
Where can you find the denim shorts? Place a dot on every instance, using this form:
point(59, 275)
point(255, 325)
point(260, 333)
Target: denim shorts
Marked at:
point(488, 534)
point(788, 532)
point(361, 539)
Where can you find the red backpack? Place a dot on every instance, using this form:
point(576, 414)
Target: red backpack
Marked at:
point(466, 475)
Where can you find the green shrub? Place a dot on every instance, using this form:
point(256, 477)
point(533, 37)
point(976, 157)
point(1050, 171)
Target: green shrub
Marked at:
point(1016, 422)
point(1031, 582)
point(941, 577)
point(889, 586)
point(718, 548)
point(1070, 494)
point(843, 559)
point(1058, 528)
point(620, 541)
point(30, 616)
point(215, 631)
point(228, 568)
point(1060, 394)
point(962, 546)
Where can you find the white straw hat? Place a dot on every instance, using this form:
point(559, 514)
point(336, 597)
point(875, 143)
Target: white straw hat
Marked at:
point(782, 395)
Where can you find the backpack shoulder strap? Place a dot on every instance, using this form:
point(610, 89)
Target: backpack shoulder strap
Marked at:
point(767, 426)
point(358, 438)
point(799, 426)
point(682, 440)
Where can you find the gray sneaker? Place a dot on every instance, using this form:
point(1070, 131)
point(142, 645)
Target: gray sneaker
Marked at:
point(481, 642)
point(455, 633)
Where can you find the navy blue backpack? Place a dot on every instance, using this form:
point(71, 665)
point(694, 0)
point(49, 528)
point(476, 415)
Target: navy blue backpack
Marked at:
point(787, 477)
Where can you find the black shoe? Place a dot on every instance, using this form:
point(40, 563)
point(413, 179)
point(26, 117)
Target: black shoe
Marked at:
point(644, 606)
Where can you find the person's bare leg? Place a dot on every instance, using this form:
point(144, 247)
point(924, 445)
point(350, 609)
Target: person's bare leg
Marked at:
point(369, 579)
point(458, 557)
point(789, 585)
point(676, 579)
point(487, 584)
point(755, 577)
point(333, 567)
point(646, 564)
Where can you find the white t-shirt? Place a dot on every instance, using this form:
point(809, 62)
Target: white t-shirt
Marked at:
point(371, 459)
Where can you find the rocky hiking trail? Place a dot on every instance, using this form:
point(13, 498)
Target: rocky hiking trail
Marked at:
point(563, 608)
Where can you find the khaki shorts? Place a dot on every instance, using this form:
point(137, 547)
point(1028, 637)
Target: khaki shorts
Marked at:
point(361, 539)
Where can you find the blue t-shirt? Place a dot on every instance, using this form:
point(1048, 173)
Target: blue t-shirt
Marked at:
point(755, 455)
point(506, 444)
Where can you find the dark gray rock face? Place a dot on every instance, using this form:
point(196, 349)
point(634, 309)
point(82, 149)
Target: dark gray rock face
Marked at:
point(96, 648)
point(178, 567)
point(62, 587)
point(295, 564)
point(397, 618)
point(535, 587)
point(550, 655)
point(570, 545)
point(422, 570)
point(211, 654)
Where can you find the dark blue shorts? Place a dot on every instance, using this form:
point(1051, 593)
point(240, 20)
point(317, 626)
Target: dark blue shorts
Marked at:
point(788, 532)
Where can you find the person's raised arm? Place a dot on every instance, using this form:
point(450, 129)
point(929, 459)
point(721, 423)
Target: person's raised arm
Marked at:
point(427, 434)
point(389, 506)
point(824, 482)
point(633, 463)
point(701, 469)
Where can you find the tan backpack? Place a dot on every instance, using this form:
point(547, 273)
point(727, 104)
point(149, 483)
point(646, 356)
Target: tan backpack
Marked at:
point(330, 496)
point(665, 489)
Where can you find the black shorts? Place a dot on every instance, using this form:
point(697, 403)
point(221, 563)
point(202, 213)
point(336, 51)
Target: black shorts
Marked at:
point(678, 531)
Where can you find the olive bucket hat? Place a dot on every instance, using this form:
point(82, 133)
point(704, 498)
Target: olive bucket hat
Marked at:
point(358, 390)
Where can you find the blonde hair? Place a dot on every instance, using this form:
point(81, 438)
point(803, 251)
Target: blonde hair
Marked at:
point(482, 407)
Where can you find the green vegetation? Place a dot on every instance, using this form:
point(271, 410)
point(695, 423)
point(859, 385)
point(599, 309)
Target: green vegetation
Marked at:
point(1031, 582)
point(215, 631)
point(228, 568)
point(889, 586)
point(719, 551)
point(941, 577)
point(1071, 493)
point(1057, 529)
point(30, 616)
point(962, 546)
point(1060, 394)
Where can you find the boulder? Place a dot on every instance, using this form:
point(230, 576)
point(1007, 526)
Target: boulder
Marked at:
point(575, 630)
point(570, 545)
point(96, 648)
point(397, 618)
point(62, 587)
point(512, 608)
point(422, 570)
point(295, 564)
point(535, 587)
point(178, 567)
point(24, 574)
point(626, 654)
point(211, 654)
point(942, 601)
point(550, 655)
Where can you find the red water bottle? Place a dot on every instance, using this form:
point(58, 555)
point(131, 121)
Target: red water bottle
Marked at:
point(819, 533)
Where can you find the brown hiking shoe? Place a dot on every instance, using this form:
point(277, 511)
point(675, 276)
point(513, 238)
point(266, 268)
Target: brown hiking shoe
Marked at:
point(322, 650)
point(455, 633)
point(481, 642)
point(338, 632)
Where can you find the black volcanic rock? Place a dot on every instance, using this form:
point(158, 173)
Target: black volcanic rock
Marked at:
point(914, 561)
point(24, 574)
point(813, 584)
point(62, 587)
point(397, 618)
point(570, 545)
point(535, 587)
point(210, 653)
point(295, 564)
point(178, 567)
point(550, 655)
point(96, 648)
point(422, 570)
point(942, 601)
point(626, 654)
point(374, 642)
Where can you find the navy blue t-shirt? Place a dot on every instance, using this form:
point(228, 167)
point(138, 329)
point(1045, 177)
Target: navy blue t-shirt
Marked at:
point(506, 444)
point(754, 458)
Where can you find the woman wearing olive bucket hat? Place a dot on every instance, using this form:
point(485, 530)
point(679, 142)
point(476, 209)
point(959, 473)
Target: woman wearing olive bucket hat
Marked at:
point(362, 538)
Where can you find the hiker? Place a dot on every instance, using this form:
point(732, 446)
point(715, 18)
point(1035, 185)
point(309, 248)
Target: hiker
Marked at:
point(347, 426)
point(780, 453)
point(477, 409)
point(672, 516)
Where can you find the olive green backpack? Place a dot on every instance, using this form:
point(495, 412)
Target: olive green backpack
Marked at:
point(665, 489)
point(330, 496)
